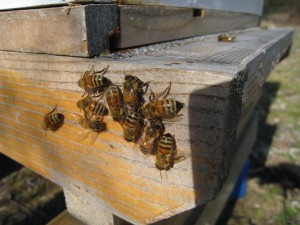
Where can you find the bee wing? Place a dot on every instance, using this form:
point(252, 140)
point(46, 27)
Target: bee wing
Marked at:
point(93, 138)
point(78, 118)
point(180, 158)
point(170, 120)
point(83, 136)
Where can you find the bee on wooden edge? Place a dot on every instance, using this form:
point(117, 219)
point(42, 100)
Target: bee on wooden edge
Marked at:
point(53, 120)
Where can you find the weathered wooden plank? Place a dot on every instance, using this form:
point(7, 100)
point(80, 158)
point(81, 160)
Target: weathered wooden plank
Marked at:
point(17, 4)
point(252, 7)
point(80, 31)
point(212, 79)
point(64, 219)
point(209, 213)
point(140, 25)
point(244, 6)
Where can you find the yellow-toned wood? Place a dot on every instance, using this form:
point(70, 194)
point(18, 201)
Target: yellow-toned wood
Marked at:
point(111, 172)
point(64, 219)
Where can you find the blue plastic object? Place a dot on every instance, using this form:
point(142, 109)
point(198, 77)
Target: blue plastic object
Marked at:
point(240, 187)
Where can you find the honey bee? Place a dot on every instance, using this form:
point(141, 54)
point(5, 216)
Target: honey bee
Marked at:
point(133, 92)
point(151, 134)
point(162, 109)
point(166, 155)
point(114, 99)
point(53, 120)
point(95, 125)
point(226, 38)
point(94, 82)
point(132, 126)
point(84, 103)
point(91, 107)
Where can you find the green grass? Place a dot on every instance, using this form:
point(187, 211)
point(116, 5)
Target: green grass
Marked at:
point(272, 192)
point(288, 215)
point(287, 74)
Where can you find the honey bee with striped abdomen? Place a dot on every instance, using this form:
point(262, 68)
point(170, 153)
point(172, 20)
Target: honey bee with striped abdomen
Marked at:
point(151, 134)
point(162, 109)
point(132, 126)
point(91, 107)
point(53, 120)
point(133, 91)
point(114, 99)
point(94, 82)
point(95, 125)
point(166, 155)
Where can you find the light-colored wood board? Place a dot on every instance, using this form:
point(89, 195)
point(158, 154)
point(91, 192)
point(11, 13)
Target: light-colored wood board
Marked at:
point(140, 25)
point(86, 211)
point(18, 4)
point(111, 172)
point(78, 31)
point(65, 219)
point(244, 6)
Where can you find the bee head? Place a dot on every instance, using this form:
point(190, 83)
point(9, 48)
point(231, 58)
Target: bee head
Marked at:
point(81, 83)
point(80, 104)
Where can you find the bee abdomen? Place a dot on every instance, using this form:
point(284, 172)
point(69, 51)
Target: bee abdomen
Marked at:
point(166, 144)
point(145, 149)
point(98, 108)
point(168, 106)
point(132, 119)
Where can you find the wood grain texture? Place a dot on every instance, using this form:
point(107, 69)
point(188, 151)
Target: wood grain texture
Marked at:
point(212, 79)
point(244, 6)
point(77, 31)
point(252, 7)
point(140, 25)
point(65, 219)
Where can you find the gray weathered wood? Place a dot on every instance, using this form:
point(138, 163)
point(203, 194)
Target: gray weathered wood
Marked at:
point(78, 31)
point(245, 6)
point(213, 79)
point(17, 4)
point(140, 25)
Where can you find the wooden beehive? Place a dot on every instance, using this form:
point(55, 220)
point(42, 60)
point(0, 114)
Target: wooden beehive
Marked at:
point(214, 80)
point(88, 30)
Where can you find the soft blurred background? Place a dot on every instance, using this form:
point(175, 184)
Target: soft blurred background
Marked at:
point(273, 186)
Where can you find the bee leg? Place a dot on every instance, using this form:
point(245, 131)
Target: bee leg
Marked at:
point(166, 174)
point(160, 174)
point(151, 96)
point(165, 92)
point(103, 71)
point(85, 93)
point(52, 110)
point(146, 85)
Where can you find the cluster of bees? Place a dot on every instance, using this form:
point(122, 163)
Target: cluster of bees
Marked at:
point(142, 121)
